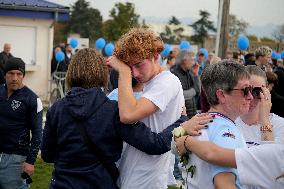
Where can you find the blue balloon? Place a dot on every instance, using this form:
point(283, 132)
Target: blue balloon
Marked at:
point(109, 49)
point(282, 54)
point(205, 52)
point(278, 56)
point(166, 51)
point(184, 45)
point(74, 43)
point(243, 42)
point(100, 43)
point(273, 54)
point(59, 56)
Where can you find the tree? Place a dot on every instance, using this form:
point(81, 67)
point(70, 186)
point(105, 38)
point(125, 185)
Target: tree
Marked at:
point(252, 38)
point(173, 31)
point(174, 21)
point(123, 17)
point(278, 35)
point(85, 20)
point(144, 25)
point(201, 28)
point(267, 39)
point(236, 26)
point(60, 32)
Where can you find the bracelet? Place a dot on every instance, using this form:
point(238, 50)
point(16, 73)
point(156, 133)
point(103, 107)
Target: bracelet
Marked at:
point(266, 128)
point(184, 143)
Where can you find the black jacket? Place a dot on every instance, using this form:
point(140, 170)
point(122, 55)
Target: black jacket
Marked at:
point(20, 114)
point(277, 103)
point(279, 88)
point(188, 81)
point(76, 165)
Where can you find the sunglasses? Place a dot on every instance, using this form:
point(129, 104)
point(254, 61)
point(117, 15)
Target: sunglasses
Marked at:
point(254, 91)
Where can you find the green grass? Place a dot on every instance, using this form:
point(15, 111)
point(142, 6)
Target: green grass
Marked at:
point(171, 187)
point(41, 177)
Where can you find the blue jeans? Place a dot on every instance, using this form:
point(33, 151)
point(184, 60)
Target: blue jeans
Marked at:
point(177, 172)
point(10, 171)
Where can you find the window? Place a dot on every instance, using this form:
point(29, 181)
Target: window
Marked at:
point(22, 39)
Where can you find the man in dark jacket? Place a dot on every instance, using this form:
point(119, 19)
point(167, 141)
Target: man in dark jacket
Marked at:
point(4, 56)
point(20, 114)
point(189, 80)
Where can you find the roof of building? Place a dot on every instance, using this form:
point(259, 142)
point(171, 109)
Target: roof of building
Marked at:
point(32, 3)
point(39, 9)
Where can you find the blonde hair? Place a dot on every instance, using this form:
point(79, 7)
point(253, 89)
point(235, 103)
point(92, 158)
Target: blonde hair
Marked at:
point(87, 69)
point(138, 44)
point(263, 51)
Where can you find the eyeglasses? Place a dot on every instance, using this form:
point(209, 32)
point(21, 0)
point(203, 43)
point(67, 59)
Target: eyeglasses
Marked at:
point(254, 91)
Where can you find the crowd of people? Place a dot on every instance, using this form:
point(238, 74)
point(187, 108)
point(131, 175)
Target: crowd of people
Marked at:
point(134, 120)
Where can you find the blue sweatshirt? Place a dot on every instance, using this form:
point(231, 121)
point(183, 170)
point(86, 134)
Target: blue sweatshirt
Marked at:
point(76, 166)
point(20, 114)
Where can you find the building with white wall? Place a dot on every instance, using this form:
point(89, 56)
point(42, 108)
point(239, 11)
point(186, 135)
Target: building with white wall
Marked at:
point(28, 26)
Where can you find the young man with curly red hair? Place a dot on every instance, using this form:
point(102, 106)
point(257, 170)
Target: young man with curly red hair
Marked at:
point(137, 53)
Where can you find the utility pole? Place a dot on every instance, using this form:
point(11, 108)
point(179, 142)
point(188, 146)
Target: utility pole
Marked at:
point(222, 36)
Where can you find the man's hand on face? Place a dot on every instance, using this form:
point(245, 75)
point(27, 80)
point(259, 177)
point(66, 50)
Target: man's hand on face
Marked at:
point(117, 65)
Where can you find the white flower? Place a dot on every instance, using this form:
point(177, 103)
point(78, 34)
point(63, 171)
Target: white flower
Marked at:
point(179, 132)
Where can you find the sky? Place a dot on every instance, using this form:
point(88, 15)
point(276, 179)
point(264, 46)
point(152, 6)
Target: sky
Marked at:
point(255, 12)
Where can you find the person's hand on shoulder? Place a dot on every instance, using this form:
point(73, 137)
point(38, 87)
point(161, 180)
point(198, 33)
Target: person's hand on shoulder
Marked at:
point(196, 123)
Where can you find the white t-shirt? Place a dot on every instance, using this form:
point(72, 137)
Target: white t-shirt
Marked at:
point(259, 166)
point(252, 133)
point(223, 132)
point(138, 169)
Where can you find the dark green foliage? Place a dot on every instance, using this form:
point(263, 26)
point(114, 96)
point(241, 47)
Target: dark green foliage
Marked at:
point(201, 28)
point(85, 20)
point(122, 18)
point(173, 35)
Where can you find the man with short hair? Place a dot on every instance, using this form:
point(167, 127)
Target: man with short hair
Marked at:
point(137, 54)
point(228, 91)
point(189, 80)
point(201, 62)
point(20, 114)
point(263, 56)
point(4, 56)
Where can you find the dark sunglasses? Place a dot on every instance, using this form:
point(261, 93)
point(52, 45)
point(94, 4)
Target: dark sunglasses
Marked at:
point(255, 91)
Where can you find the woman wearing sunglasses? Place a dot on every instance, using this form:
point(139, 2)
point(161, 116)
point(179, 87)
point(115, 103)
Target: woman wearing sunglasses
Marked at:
point(259, 111)
point(260, 166)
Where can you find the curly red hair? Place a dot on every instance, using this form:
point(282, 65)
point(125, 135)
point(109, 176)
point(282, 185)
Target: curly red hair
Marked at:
point(138, 44)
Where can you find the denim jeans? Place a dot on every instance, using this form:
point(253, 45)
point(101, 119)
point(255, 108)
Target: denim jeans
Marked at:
point(177, 172)
point(10, 171)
